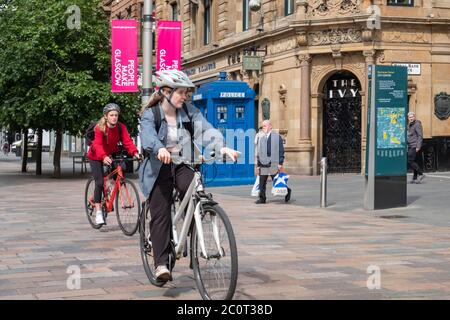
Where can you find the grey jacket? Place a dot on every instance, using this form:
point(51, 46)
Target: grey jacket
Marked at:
point(270, 153)
point(415, 135)
point(152, 141)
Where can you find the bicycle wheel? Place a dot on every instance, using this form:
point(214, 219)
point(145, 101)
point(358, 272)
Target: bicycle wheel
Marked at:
point(146, 246)
point(128, 206)
point(216, 276)
point(89, 203)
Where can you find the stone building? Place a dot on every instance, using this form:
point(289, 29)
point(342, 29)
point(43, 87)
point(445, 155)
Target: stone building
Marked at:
point(312, 66)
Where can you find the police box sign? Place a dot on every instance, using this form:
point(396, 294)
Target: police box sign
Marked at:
point(232, 94)
point(413, 68)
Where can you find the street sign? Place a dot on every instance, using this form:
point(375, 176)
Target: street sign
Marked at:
point(252, 63)
point(386, 150)
point(414, 69)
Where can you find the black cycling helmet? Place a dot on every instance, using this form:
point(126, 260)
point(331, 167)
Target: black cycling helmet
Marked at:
point(111, 107)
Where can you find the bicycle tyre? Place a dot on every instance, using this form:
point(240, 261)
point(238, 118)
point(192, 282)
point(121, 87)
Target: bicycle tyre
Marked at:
point(213, 291)
point(146, 246)
point(90, 210)
point(128, 228)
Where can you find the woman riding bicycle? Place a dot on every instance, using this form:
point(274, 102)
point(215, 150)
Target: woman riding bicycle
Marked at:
point(156, 175)
point(104, 147)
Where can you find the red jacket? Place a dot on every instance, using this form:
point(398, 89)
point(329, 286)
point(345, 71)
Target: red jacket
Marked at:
point(106, 145)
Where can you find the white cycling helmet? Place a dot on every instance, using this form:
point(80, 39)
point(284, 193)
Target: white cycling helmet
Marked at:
point(173, 79)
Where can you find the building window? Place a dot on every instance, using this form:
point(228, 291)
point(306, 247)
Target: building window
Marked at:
point(288, 7)
point(207, 22)
point(174, 11)
point(407, 3)
point(245, 15)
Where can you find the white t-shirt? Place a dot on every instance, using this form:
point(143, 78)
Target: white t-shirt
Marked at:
point(172, 135)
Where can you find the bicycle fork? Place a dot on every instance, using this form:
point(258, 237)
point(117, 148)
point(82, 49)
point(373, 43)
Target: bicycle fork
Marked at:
point(198, 224)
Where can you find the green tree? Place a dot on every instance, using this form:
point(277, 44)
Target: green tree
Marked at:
point(55, 67)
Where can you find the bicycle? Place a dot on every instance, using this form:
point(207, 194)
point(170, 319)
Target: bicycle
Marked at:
point(118, 193)
point(213, 251)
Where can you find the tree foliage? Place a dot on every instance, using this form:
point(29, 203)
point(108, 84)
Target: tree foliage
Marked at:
point(53, 75)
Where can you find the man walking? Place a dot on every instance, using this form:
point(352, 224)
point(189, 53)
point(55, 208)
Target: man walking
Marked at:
point(415, 139)
point(270, 159)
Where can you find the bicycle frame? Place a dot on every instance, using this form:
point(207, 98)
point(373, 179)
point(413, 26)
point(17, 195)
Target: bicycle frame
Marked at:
point(110, 201)
point(192, 213)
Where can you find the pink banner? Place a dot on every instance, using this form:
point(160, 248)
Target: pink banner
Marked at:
point(168, 53)
point(124, 56)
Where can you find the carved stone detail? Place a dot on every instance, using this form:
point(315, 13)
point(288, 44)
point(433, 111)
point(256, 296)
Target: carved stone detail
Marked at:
point(334, 36)
point(282, 93)
point(304, 59)
point(380, 57)
point(414, 35)
point(322, 8)
point(283, 45)
point(337, 55)
point(368, 35)
point(302, 38)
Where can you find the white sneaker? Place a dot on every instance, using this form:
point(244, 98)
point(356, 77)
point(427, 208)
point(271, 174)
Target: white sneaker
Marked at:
point(99, 218)
point(162, 273)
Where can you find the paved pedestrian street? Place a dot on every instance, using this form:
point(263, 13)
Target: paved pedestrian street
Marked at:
point(286, 251)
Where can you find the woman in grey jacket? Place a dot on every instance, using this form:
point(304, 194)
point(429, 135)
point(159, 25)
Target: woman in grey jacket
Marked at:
point(156, 175)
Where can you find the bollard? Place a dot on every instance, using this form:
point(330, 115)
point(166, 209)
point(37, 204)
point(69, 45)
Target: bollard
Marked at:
point(323, 182)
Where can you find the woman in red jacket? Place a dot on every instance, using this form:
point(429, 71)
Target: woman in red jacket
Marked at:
point(104, 146)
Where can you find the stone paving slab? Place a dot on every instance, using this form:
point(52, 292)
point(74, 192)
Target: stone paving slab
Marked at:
point(286, 251)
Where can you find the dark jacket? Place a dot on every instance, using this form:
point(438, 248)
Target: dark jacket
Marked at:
point(271, 150)
point(415, 135)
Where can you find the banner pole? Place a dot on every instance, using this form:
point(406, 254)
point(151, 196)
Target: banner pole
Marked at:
point(147, 51)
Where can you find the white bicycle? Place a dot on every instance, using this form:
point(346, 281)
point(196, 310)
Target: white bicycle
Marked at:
point(212, 248)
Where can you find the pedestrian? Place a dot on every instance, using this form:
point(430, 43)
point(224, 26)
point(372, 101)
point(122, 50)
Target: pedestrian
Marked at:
point(258, 136)
point(103, 149)
point(162, 138)
point(415, 140)
point(270, 159)
point(6, 148)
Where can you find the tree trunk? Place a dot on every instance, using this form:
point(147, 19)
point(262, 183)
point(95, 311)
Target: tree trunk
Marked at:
point(24, 150)
point(39, 154)
point(57, 155)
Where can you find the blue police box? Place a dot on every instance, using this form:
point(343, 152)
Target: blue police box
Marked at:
point(229, 107)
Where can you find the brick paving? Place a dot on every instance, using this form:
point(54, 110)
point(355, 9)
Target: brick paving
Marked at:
point(286, 251)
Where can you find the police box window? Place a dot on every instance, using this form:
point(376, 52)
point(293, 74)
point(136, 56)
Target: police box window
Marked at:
point(407, 3)
point(239, 112)
point(222, 114)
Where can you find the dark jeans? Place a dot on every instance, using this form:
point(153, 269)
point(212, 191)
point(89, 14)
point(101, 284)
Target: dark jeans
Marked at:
point(160, 205)
point(412, 162)
point(97, 172)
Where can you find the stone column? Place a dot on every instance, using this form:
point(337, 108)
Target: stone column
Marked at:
point(370, 59)
point(305, 144)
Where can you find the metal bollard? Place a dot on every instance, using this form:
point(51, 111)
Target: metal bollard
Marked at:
point(323, 182)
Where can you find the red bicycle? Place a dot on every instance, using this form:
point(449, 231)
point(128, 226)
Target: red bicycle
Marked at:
point(119, 194)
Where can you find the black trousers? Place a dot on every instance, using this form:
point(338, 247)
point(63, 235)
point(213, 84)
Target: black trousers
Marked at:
point(262, 185)
point(97, 172)
point(160, 200)
point(412, 162)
